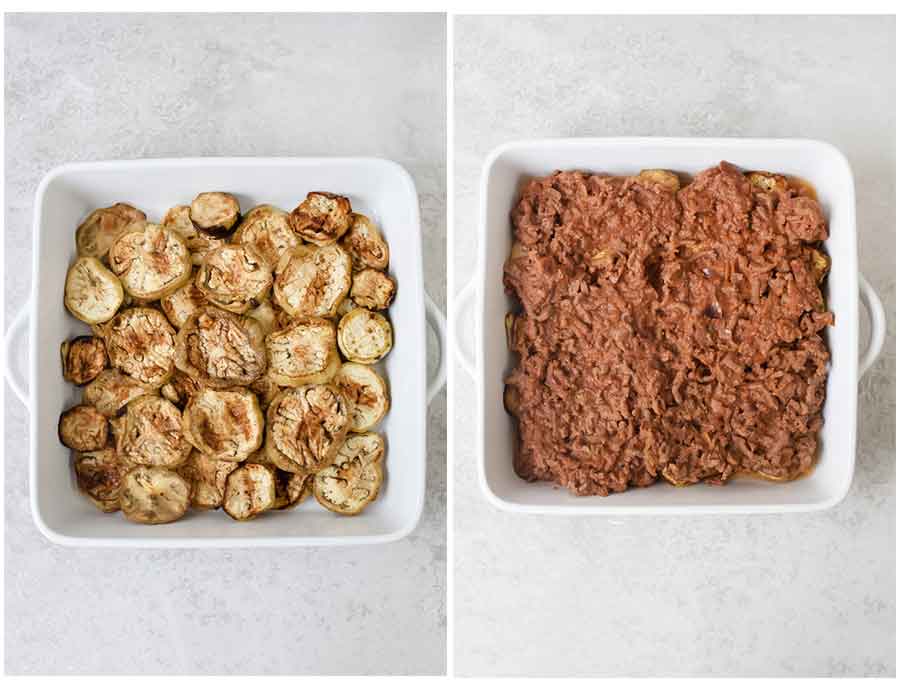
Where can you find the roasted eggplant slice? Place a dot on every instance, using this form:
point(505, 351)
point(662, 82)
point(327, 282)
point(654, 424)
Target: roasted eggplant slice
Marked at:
point(215, 212)
point(180, 389)
point(366, 246)
point(322, 218)
point(198, 243)
point(311, 282)
point(225, 425)
point(141, 343)
point(152, 434)
point(249, 491)
point(820, 265)
point(82, 359)
point(83, 428)
point(291, 489)
point(153, 495)
point(767, 182)
point(666, 179)
point(304, 353)
point(234, 277)
point(352, 481)
point(111, 391)
point(182, 303)
point(202, 245)
point(220, 349)
point(511, 401)
point(364, 336)
point(373, 289)
point(151, 261)
point(178, 219)
point(509, 322)
point(99, 475)
point(207, 478)
point(268, 230)
point(102, 227)
point(366, 394)
point(305, 427)
point(93, 294)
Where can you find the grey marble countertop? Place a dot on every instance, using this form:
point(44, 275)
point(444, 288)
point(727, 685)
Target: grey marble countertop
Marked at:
point(803, 594)
point(94, 87)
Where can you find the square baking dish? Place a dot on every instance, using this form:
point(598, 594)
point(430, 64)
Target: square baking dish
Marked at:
point(820, 164)
point(379, 188)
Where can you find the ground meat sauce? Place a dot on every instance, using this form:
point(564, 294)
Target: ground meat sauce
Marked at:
point(666, 333)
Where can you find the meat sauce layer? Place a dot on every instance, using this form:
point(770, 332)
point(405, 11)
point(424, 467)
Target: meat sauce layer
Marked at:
point(666, 332)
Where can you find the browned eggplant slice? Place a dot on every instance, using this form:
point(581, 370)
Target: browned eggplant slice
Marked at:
point(83, 428)
point(215, 212)
point(83, 358)
point(322, 218)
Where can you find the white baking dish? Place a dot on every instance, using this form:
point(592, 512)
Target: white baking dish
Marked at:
point(379, 188)
point(820, 164)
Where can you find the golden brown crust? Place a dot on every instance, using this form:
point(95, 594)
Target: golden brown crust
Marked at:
point(82, 359)
point(322, 218)
point(221, 349)
point(83, 428)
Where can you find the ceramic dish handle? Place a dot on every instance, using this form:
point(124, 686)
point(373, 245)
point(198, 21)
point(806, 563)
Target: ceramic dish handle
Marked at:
point(438, 324)
point(879, 328)
point(14, 361)
point(465, 354)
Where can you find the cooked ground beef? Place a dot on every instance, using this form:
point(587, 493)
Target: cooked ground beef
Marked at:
point(666, 333)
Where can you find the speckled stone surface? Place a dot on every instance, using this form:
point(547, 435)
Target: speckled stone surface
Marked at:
point(92, 88)
point(805, 594)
